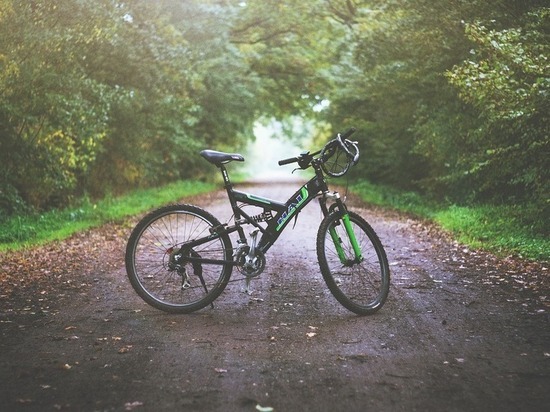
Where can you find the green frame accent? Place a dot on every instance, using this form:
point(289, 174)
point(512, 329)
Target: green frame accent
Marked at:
point(259, 199)
point(352, 238)
point(338, 245)
point(303, 199)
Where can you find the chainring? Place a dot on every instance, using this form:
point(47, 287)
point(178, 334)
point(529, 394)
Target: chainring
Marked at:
point(255, 268)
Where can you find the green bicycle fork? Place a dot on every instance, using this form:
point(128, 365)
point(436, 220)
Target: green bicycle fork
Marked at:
point(353, 240)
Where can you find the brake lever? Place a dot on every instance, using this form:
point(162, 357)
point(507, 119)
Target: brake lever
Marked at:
point(301, 168)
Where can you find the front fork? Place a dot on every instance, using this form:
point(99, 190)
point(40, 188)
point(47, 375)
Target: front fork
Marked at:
point(339, 204)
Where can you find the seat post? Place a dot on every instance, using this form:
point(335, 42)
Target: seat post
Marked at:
point(229, 189)
point(225, 175)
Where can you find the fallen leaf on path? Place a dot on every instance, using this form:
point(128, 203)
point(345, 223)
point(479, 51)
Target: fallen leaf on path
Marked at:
point(125, 349)
point(129, 406)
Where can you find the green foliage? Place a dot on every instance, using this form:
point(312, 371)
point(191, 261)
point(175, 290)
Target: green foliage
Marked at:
point(289, 47)
point(389, 196)
point(446, 104)
point(507, 79)
point(53, 117)
point(98, 97)
point(519, 230)
point(501, 229)
point(32, 229)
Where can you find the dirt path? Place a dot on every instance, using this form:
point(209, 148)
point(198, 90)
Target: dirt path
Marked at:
point(461, 331)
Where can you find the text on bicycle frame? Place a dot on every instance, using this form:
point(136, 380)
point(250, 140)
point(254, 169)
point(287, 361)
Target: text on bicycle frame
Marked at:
point(292, 207)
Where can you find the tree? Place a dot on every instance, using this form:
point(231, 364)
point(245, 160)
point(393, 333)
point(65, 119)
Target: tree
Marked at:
point(53, 117)
point(458, 113)
point(289, 47)
point(101, 96)
point(507, 80)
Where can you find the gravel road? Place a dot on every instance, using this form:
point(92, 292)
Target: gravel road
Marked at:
point(459, 332)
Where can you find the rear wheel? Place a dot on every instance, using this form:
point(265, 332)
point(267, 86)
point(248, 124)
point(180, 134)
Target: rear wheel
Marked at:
point(160, 272)
point(362, 284)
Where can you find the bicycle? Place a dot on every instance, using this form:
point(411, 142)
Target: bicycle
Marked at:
point(180, 258)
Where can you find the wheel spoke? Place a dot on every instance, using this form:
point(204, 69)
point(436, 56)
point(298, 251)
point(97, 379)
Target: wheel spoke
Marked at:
point(166, 280)
point(361, 287)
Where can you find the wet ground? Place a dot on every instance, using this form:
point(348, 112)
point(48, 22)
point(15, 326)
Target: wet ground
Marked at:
point(461, 330)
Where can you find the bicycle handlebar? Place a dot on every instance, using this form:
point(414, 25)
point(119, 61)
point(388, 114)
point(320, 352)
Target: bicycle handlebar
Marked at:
point(341, 139)
point(348, 133)
point(288, 161)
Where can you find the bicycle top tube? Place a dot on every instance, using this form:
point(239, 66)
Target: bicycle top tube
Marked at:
point(259, 201)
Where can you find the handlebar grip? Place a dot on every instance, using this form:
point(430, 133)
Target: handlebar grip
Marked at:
point(288, 161)
point(348, 133)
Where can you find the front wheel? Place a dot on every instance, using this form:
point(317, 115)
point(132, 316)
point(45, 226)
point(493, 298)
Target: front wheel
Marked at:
point(158, 268)
point(356, 273)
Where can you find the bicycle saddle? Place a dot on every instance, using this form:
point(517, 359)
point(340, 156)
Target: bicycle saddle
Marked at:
point(218, 158)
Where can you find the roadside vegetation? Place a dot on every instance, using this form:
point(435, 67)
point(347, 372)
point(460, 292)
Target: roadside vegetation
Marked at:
point(34, 229)
point(503, 230)
point(449, 98)
point(520, 230)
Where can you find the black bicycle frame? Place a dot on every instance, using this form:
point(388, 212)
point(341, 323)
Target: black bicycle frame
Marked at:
point(284, 212)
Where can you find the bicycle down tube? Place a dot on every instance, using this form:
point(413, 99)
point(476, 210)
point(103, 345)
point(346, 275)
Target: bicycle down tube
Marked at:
point(284, 212)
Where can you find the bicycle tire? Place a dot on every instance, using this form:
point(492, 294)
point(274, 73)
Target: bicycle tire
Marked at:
point(360, 287)
point(148, 252)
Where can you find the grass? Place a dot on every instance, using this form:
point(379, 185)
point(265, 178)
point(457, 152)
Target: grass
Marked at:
point(504, 230)
point(20, 232)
